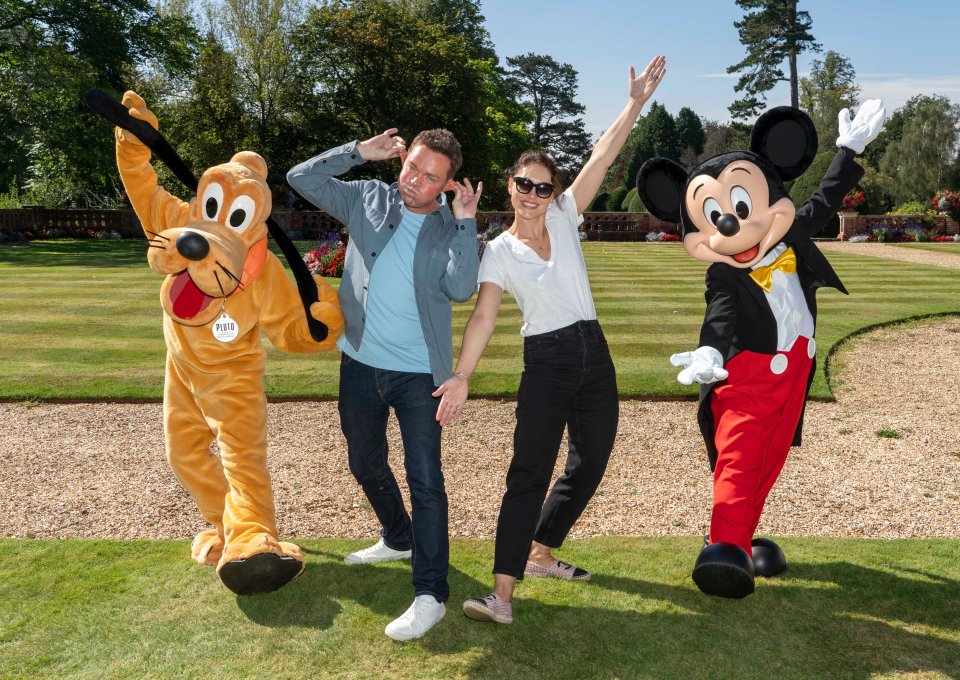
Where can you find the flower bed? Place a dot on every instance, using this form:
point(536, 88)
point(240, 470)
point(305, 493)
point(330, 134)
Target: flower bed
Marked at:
point(896, 231)
point(327, 258)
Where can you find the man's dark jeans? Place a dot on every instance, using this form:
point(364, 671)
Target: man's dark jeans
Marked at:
point(366, 395)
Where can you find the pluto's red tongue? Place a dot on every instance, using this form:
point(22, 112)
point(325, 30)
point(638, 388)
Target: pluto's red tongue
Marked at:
point(187, 299)
point(747, 255)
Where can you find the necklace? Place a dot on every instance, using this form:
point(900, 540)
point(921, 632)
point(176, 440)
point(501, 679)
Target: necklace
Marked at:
point(539, 242)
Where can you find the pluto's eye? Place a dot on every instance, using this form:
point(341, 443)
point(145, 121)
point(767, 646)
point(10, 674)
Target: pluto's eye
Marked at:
point(712, 211)
point(740, 200)
point(241, 213)
point(212, 200)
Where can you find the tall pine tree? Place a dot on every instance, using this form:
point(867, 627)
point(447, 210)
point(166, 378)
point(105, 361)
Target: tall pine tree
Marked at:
point(548, 89)
point(773, 31)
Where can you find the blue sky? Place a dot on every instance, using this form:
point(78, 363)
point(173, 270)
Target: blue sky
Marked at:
point(898, 49)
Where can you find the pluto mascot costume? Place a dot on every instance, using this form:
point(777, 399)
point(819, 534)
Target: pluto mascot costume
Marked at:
point(755, 361)
point(222, 287)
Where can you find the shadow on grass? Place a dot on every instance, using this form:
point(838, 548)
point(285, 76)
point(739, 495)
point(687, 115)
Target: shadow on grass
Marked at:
point(834, 619)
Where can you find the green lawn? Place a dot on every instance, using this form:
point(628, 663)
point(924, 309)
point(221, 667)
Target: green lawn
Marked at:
point(846, 609)
point(82, 320)
point(951, 248)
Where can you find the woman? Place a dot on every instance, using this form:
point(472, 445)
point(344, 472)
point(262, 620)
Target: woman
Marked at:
point(568, 378)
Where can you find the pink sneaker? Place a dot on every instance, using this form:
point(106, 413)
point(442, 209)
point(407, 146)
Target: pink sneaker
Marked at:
point(560, 570)
point(489, 608)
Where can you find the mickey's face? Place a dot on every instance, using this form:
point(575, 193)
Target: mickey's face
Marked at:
point(735, 222)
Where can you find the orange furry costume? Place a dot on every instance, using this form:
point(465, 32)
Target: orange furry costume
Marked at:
point(222, 286)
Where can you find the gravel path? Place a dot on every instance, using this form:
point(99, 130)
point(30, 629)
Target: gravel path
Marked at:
point(98, 470)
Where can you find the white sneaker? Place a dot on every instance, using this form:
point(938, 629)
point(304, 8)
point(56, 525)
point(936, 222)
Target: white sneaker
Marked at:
point(380, 552)
point(423, 614)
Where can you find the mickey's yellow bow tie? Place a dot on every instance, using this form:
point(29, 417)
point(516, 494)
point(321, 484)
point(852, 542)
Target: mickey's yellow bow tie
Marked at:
point(787, 263)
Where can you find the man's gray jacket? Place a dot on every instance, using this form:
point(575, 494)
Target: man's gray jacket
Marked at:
point(445, 261)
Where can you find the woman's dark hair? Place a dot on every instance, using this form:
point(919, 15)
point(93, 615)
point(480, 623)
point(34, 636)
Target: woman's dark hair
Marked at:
point(540, 158)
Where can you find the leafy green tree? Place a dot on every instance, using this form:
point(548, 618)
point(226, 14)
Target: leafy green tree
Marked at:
point(51, 51)
point(878, 188)
point(548, 88)
point(921, 159)
point(369, 66)
point(462, 18)
point(723, 137)
point(892, 130)
point(657, 138)
point(830, 87)
point(806, 184)
point(773, 31)
point(210, 123)
point(690, 136)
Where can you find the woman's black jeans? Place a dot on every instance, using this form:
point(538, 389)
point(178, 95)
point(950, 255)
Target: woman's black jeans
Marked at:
point(568, 381)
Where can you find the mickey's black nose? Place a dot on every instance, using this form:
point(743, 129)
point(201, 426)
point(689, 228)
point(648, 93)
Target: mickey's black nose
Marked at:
point(728, 225)
point(192, 246)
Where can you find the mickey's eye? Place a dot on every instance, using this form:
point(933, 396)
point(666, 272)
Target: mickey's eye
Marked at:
point(712, 211)
point(740, 200)
point(241, 212)
point(212, 200)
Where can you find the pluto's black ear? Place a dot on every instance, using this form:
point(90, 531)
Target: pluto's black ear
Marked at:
point(660, 185)
point(786, 137)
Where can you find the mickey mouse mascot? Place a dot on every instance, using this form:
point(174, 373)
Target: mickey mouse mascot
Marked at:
point(755, 361)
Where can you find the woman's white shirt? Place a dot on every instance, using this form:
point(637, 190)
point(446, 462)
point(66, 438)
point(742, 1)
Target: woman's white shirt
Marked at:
point(551, 293)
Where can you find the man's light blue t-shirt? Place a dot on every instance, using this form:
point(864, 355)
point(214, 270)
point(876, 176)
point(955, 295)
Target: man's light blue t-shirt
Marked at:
point(392, 335)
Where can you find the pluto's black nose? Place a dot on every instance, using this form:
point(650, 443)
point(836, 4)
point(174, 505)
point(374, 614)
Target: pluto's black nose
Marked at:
point(193, 246)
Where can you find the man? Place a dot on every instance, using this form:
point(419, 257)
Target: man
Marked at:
point(407, 258)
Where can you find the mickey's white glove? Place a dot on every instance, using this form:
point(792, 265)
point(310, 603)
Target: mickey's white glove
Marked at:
point(857, 133)
point(703, 365)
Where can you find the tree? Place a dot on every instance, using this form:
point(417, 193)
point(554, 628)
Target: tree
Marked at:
point(461, 18)
point(259, 34)
point(369, 66)
point(828, 89)
point(892, 130)
point(772, 31)
point(548, 89)
point(210, 123)
point(723, 137)
point(922, 157)
point(51, 51)
point(657, 137)
point(690, 136)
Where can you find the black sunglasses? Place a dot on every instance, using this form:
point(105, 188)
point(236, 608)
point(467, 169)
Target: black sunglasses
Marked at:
point(525, 186)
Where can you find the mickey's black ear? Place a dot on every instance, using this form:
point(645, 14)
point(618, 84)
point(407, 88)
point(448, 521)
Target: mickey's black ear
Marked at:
point(660, 185)
point(786, 137)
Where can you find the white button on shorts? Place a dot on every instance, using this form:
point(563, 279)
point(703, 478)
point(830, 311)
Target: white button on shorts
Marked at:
point(778, 364)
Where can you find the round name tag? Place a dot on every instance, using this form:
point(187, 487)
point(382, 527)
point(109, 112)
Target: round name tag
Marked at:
point(225, 329)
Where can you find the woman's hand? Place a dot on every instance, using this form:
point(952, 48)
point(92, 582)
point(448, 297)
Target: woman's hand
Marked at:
point(453, 394)
point(643, 86)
